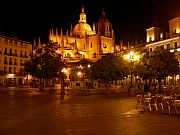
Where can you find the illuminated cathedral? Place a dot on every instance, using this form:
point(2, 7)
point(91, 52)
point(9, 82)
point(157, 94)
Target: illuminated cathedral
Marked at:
point(83, 41)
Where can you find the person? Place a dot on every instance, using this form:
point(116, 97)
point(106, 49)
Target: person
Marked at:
point(129, 89)
point(139, 85)
point(5, 84)
point(146, 88)
point(122, 84)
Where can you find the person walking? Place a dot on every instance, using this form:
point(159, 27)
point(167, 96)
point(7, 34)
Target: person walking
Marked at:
point(146, 88)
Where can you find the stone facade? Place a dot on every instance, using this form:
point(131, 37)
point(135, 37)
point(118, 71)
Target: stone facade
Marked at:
point(13, 54)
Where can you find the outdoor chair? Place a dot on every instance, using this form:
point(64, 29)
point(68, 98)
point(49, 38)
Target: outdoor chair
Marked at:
point(140, 102)
point(153, 103)
point(169, 105)
point(146, 102)
point(159, 102)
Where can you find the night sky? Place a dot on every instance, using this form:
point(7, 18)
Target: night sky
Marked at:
point(31, 19)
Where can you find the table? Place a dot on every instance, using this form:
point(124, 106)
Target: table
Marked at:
point(176, 103)
point(167, 97)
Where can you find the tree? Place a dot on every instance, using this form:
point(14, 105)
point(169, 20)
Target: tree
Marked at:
point(109, 68)
point(142, 69)
point(83, 66)
point(46, 64)
point(163, 63)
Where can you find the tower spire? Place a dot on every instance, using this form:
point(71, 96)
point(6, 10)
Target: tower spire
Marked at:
point(82, 15)
point(39, 43)
point(71, 30)
point(34, 44)
point(103, 13)
point(82, 10)
point(56, 34)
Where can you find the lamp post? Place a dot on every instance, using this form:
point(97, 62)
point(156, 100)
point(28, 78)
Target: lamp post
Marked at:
point(132, 57)
point(64, 71)
point(79, 75)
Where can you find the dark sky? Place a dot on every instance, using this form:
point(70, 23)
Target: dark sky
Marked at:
point(31, 19)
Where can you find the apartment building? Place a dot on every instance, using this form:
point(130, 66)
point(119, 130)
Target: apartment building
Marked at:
point(13, 54)
point(170, 40)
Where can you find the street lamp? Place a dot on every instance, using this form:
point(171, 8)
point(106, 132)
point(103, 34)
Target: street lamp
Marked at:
point(79, 73)
point(64, 71)
point(132, 57)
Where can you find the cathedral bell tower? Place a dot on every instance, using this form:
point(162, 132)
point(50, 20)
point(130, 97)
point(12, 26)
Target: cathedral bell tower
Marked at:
point(82, 16)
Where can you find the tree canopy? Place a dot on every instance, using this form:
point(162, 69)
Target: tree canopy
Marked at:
point(164, 63)
point(109, 68)
point(158, 64)
point(46, 63)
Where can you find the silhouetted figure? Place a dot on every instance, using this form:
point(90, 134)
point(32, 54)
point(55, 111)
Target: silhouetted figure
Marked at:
point(146, 88)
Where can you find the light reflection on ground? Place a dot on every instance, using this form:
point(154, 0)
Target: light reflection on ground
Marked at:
point(45, 114)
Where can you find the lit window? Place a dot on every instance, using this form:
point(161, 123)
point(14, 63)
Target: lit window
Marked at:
point(161, 35)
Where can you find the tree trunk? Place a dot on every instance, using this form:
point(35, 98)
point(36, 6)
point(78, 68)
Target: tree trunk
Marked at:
point(62, 85)
point(41, 86)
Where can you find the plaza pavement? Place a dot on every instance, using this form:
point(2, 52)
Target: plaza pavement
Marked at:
point(113, 114)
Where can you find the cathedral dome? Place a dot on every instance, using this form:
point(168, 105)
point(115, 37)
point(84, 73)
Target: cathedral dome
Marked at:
point(81, 29)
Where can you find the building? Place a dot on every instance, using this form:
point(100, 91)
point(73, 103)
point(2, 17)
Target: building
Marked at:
point(82, 41)
point(156, 37)
point(13, 54)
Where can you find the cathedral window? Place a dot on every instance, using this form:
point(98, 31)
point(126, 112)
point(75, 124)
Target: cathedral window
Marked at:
point(84, 46)
point(91, 44)
point(104, 45)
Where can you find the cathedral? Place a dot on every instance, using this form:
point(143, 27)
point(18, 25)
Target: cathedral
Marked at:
point(83, 41)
